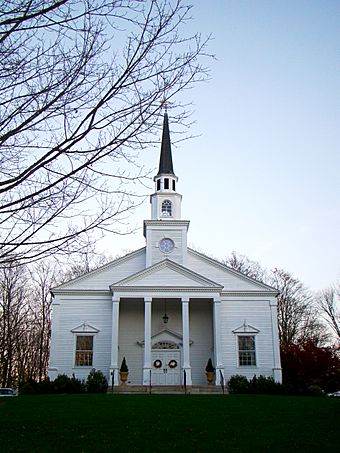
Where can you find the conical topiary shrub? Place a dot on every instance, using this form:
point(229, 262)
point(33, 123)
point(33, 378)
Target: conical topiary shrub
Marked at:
point(209, 368)
point(123, 366)
point(210, 372)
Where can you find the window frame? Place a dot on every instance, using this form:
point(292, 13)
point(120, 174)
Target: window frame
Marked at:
point(76, 336)
point(251, 352)
point(166, 212)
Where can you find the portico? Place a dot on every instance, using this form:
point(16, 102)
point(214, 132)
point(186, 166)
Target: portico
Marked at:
point(171, 340)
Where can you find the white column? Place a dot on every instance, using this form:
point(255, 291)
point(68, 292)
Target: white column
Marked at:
point(53, 362)
point(186, 340)
point(219, 368)
point(277, 370)
point(147, 340)
point(114, 367)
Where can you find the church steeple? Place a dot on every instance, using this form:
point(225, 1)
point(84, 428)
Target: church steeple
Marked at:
point(165, 161)
point(165, 202)
point(165, 232)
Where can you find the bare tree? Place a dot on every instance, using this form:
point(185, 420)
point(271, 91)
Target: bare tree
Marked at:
point(81, 83)
point(297, 316)
point(14, 313)
point(81, 263)
point(328, 303)
point(43, 276)
point(246, 266)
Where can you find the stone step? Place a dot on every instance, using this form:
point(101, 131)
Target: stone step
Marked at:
point(167, 389)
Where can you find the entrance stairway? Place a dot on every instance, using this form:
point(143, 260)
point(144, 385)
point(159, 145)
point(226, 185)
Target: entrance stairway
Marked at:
point(167, 389)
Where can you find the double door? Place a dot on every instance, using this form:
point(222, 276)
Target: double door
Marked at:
point(166, 367)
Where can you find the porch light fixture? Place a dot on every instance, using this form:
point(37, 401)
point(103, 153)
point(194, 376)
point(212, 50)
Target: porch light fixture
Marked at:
point(165, 316)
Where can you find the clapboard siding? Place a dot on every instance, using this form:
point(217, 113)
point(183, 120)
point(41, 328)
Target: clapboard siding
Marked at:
point(201, 333)
point(72, 312)
point(131, 330)
point(255, 313)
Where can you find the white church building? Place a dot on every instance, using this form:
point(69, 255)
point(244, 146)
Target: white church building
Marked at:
point(166, 308)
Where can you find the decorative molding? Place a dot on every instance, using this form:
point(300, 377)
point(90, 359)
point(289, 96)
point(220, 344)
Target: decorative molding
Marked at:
point(173, 336)
point(164, 289)
point(246, 328)
point(167, 222)
point(244, 293)
point(83, 292)
point(85, 328)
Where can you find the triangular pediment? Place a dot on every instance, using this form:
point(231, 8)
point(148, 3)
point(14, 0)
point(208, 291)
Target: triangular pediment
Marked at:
point(166, 339)
point(84, 328)
point(167, 274)
point(246, 329)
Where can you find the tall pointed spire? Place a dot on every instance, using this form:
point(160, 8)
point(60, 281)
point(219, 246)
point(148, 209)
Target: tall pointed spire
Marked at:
point(165, 161)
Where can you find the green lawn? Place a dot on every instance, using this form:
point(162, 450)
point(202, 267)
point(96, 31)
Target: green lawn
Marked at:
point(160, 423)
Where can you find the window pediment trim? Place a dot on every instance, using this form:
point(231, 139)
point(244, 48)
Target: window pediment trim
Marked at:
point(246, 329)
point(85, 328)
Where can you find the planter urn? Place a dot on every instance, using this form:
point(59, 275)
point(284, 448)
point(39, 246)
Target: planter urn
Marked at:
point(123, 377)
point(210, 377)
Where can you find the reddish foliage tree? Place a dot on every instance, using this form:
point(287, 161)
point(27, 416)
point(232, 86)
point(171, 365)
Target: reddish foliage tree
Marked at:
point(305, 364)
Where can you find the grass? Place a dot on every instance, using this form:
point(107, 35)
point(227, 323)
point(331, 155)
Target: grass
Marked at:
point(161, 423)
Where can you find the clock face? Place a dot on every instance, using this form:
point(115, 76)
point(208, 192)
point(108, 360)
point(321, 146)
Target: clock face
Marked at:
point(166, 245)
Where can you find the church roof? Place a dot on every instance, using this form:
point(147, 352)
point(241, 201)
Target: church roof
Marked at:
point(165, 161)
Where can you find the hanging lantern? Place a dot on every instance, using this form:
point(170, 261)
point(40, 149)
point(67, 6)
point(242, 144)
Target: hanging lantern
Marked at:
point(165, 316)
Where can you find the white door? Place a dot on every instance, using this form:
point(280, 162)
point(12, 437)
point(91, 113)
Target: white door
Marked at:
point(166, 367)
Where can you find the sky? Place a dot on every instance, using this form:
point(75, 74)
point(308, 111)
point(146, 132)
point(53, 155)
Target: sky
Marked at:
point(262, 176)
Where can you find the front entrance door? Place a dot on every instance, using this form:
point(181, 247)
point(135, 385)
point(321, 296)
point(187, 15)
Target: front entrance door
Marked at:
point(166, 367)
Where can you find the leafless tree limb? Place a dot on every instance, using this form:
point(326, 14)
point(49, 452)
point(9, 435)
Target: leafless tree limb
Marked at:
point(81, 85)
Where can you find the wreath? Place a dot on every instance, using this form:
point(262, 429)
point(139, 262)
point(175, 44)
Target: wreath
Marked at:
point(157, 363)
point(172, 363)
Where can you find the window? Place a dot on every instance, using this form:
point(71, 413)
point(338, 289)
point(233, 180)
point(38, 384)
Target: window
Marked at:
point(173, 185)
point(166, 208)
point(246, 350)
point(166, 183)
point(158, 184)
point(84, 350)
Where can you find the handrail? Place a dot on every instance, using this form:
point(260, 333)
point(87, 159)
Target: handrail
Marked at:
point(222, 381)
point(150, 385)
point(185, 381)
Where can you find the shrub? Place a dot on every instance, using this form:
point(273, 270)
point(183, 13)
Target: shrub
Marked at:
point(315, 390)
point(77, 385)
point(123, 367)
point(258, 385)
point(31, 387)
point(265, 385)
point(96, 382)
point(44, 387)
point(27, 389)
point(238, 384)
point(65, 384)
